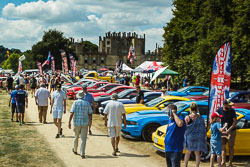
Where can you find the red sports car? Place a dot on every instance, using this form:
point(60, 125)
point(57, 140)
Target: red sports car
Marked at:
point(111, 91)
point(241, 105)
point(104, 88)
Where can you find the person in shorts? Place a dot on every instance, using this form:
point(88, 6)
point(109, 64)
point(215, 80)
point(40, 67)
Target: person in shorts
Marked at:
point(9, 83)
point(21, 101)
point(58, 106)
point(215, 141)
point(33, 85)
point(12, 101)
point(113, 114)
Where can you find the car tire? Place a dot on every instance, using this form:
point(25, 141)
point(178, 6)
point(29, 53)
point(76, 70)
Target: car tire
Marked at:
point(148, 130)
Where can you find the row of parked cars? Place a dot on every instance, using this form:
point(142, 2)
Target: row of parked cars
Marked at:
point(148, 121)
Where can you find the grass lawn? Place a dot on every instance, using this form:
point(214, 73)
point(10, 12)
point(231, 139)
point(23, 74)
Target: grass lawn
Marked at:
point(22, 145)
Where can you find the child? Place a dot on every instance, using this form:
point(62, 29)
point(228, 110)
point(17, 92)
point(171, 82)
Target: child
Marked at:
point(215, 142)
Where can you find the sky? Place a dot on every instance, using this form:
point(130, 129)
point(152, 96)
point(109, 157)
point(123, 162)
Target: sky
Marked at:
point(23, 22)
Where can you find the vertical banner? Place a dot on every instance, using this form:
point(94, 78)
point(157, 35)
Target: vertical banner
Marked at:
point(47, 60)
point(20, 68)
point(74, 69)
point(39, 65)
point(52, 65)
point(64, 62)
point(72, 61)
point(220, 78)
point(131, 54)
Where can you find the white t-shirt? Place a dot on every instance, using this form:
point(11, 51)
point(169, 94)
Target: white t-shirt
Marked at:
point(42, 95)
point(114, 110)
point(58, 98)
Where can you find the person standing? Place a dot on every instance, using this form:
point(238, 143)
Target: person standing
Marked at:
point(41, 99)
point(21, 101)
point(140, 95)
point(195, 135)
point(174, 137)
point(58, 106)
point(137, 80)
point(133, 80)
point(113, 114)
point(26, 82)
point(21, 80)
point(9, 83)
point(80, 113)
point(13, 104)
point(229, 117)
point(33, 85)
point(215, 141)
point(52, 83)
point(89, 98)
point(185, 81)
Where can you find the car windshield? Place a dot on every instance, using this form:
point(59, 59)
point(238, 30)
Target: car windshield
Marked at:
point(92, 84)
point(206, 93)
point(182, 89)
point(101, 87)
point(109, 91)
point(179, 106)
point(124, 93)
point(152, 103)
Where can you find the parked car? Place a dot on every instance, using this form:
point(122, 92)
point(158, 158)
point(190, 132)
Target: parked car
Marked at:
point(104, 88)
point(242, 144)
point(204, 96)
point(142, 124)
point(156, 104)
point(111, 91)
point(239, 96)
point(189, 90)
point(241, 105)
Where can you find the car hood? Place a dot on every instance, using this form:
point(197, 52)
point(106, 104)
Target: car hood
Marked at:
point(99, 94)
point(134, 109)
point(200, 97)
point(146, 114)
point(134, 105)
point(163, 128)
point(174, 93)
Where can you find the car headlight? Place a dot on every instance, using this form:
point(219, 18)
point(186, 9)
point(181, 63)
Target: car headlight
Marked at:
point(159, 133)
point(131, 123)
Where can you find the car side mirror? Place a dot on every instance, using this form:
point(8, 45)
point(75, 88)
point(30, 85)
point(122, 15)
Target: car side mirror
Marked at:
point(161, 106)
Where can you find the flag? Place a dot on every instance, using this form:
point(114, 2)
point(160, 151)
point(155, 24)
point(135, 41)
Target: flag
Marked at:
point(74, 69)
point(64, 62)
point(8, 53)
point(72, 61)
point(52, 65)
point(21, 58)
point(39, 65)
point(20, 68)
point(131, 54)
point(47, 61)
point(220, 78)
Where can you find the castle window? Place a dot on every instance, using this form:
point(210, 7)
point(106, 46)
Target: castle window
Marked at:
point(94, 60)
point(108, 42)
point(86, 60)
point(102, 60)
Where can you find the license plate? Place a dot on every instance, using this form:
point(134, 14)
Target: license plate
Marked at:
point(156, 140)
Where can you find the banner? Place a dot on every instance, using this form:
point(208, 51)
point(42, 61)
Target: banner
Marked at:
point(64, 62)
point(220, 78)
point(39, 65)
point(21, 58)
point(48, 60)
point(72, 61)
point(53, 65)
point(74, 69)
point(131, 54)
point(20, 68)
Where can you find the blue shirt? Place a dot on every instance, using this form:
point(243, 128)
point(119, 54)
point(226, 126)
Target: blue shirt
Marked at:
point(13, 96)
point(215, 133)
point(89, 98)
point(81, 110)
point(174, 136)
point(20, 97)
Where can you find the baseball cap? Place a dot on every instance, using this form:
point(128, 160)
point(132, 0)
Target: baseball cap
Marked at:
point(16, 86)
point(228, 102)
point(114, 96)
point(214, 114)
point(80, 94)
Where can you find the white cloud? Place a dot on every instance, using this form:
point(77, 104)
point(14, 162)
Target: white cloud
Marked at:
point(83, 19)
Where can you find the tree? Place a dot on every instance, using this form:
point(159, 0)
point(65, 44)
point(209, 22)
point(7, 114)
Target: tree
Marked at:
point(89, 47)
point(52, 41)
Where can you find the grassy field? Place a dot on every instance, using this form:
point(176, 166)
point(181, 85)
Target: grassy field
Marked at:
point(22, 145)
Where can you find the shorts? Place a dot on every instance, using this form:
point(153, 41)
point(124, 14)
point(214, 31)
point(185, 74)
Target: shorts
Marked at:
point(216, 147)
point(230, 138)
point(13, 108)
point(57, 113)
point(9, 88)
point(20, 109)
point(114, 131)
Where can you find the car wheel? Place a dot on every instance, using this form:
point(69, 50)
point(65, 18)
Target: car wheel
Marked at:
point(148, 131)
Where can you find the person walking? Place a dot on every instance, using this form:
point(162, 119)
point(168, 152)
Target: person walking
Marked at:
point(12, 101)
point(195, 135)
point(140, 95)
point(215, 141)
point(229, 117)
point(174, 137)
point(41, 98)
point(9, 83)
point(185, 81)
point(58, 106)
point(80, 113)
point(52, 83)
point(33, 85)
point(26, 82)
point(89, 98)
point(21, 99)
point(113, 115)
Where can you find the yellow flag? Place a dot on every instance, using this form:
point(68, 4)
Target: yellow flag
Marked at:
point(8, 53)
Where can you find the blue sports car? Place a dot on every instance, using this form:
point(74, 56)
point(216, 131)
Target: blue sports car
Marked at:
point(143, 124)
point(188, 90)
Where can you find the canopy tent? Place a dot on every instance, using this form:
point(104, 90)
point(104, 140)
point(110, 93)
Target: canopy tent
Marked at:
point(166, 72)
point(126, 68)
point(145, 65)
point(153, 67)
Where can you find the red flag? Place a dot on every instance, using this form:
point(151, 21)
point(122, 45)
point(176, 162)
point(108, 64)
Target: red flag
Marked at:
point(52, 64)
point(65, 62)
point(39, 65)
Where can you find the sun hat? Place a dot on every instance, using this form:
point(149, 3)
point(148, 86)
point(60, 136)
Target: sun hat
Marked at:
point(214, 114)
point(80, 94)
point(114, 96)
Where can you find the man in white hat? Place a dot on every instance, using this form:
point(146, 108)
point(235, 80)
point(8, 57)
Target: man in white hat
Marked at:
point(80, 113)
point(114, 112)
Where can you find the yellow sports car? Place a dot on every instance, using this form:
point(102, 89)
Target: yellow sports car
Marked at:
point(242, 144)
point(156, 104)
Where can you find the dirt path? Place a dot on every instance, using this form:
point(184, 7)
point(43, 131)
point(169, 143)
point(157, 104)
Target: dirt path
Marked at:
point(98, 148)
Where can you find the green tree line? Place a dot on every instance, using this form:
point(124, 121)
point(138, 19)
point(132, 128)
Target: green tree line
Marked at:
point(196, 32)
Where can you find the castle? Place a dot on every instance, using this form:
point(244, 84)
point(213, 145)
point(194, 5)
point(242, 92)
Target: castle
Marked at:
point(114, 47)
